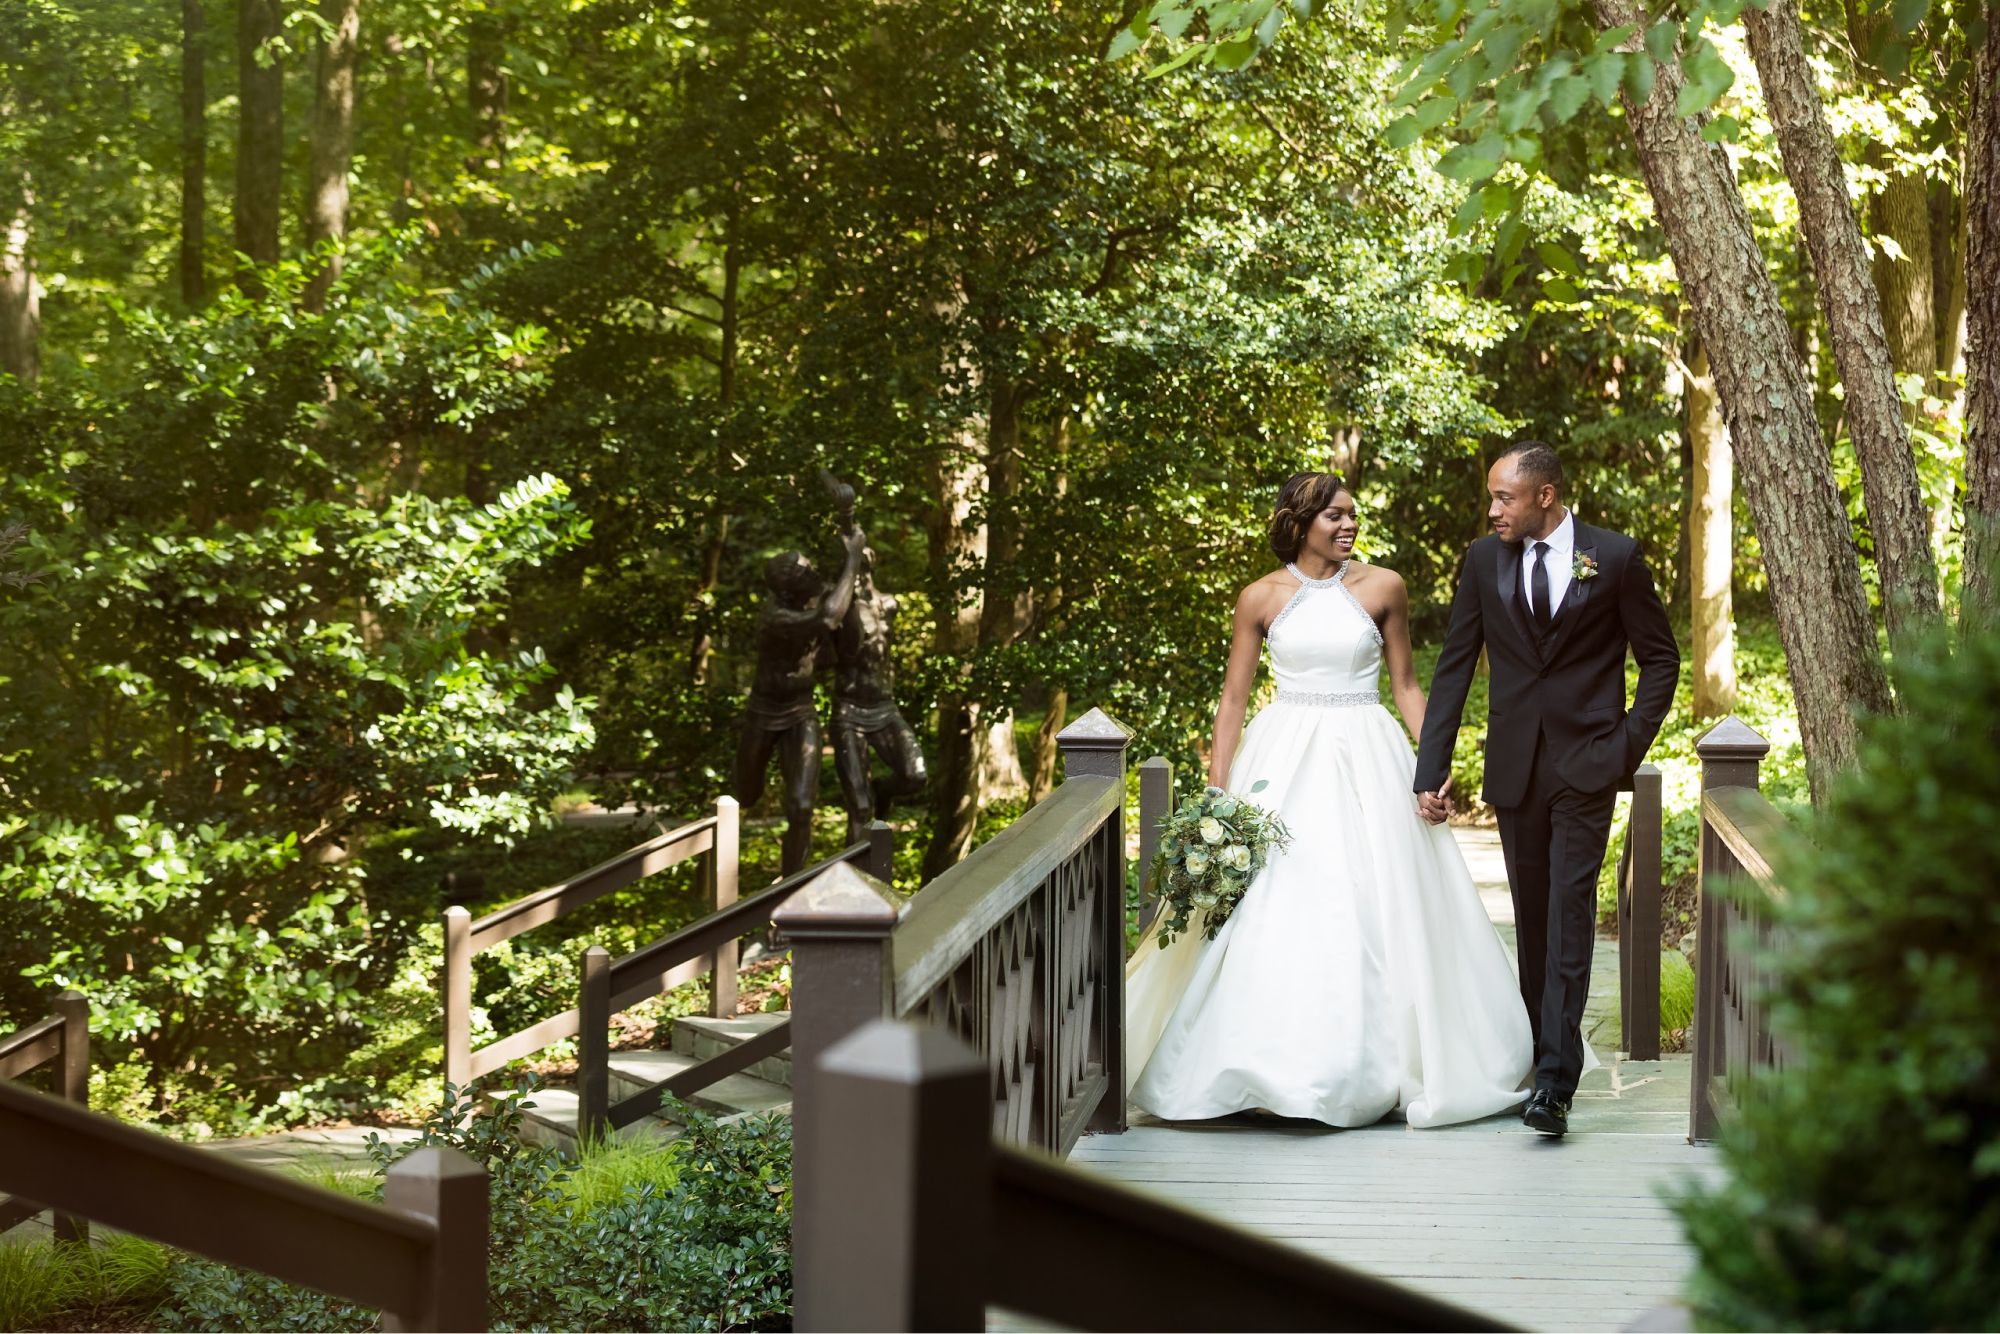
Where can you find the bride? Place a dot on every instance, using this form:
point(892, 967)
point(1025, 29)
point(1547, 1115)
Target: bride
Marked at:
point(1360, 974)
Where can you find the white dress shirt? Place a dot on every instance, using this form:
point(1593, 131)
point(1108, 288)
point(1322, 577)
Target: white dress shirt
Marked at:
point(1561, 556)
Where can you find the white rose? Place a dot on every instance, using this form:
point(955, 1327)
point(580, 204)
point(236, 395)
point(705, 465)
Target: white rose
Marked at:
point(1236, 857)
point(1211, 830)
point(1205, 902)
point(1197, 862)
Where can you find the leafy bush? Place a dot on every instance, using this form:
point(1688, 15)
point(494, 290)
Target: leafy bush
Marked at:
point(693, 1236)
point(1864, 1189)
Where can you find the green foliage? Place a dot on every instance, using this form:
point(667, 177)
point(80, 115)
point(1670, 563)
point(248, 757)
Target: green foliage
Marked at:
point(1862, 1190)
point(99, 1285)
point(1676, 994)
point(631, 1237)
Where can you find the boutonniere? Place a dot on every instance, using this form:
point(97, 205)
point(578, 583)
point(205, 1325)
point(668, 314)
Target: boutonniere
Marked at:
point(1583, 567)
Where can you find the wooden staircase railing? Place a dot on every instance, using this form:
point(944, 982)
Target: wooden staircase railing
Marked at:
point(610, 985)
point(61, 1040)
point(923, 1222)
point(1733, 1039)
point(420, 1256)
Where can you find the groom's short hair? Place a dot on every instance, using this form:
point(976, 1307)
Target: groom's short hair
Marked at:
point(1537, 462)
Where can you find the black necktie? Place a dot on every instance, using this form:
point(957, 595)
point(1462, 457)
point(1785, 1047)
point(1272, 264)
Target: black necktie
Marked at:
point(1538, 587)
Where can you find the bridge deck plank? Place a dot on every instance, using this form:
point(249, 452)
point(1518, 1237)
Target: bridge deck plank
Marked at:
point(1549, 1235)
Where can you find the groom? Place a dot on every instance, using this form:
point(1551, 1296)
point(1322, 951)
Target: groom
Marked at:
point(1555, 604)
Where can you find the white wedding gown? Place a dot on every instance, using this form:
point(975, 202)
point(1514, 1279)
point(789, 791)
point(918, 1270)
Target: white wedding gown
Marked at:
point(1360, 973)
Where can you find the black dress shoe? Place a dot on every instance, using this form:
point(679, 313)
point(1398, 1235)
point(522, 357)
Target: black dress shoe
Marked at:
point(1547, 1113)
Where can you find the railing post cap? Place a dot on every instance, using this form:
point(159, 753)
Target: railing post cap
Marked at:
point(437, 1163)
point(895, 1052)
point(840, 901)
point(1096, 730)
point(1732, 739)
point(1156, 762)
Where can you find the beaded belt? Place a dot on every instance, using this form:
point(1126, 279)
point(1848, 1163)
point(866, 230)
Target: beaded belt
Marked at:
point(1329, 699)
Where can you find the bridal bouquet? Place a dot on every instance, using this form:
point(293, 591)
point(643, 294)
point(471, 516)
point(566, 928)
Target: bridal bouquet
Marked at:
point(1211, 848)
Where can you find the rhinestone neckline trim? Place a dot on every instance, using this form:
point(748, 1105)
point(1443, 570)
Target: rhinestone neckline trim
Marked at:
point(1338, 579)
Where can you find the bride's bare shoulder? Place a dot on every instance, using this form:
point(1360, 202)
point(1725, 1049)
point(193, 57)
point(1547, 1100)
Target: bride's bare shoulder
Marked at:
point(1266, 597)
point(1378, 587)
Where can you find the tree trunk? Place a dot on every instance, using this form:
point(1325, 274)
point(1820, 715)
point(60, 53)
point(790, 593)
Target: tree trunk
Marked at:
point(1712, 551)
point(717, 540)
point(194, 152)
point(1902, 213)
point(955, 543)
point(1042, 773)
point(20, 294)
point(1815, 578)
point(1853, 310)
point(260, 135)
point(1981, 605)
point(332, 148)
point(1003, 610)
point(486, 94)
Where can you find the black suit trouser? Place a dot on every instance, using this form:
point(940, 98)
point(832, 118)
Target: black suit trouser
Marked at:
point(1554, 843)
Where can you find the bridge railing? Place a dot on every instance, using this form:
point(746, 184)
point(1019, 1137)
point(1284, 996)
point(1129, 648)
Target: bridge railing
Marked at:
point(420, 1256)
point(1733, 1039)
point(61, 1040)
point(923, 1221)
point(1639, 919)
point(1018, 951)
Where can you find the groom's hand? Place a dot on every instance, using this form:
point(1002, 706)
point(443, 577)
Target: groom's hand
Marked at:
point(1436, 807)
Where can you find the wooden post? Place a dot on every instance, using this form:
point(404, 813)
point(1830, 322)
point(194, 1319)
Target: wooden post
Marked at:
point(457, 997)
point(73, 1085)
point(1094, 746)
point(901, 1217)
point(593, 1048)
point(1639, 934)
point(723, 863)
point(838, 925)
point(1731, 754)
point(450, 1190)
point(882, 851)
point(1156, 802)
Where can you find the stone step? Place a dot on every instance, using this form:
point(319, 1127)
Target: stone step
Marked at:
point(552, 1121)
point(633, 1071)
point(702, 1037)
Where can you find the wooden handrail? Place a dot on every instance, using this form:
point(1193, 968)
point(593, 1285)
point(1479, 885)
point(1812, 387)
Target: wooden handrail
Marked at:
point(62, 1039)
point(635, 863)
point(609, 986)
point(1638, 888)
point(23, 1051)
point(141, 1182)
point(633, 973)
point(714, 836)
point(1750, 827)
point(956, 910)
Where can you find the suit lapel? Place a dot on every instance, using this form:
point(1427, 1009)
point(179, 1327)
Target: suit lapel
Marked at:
point(1571, 610)
point(1508, 572)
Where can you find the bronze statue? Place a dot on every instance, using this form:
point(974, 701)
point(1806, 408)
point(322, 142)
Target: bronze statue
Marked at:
point(864, 708)
point(797, 619)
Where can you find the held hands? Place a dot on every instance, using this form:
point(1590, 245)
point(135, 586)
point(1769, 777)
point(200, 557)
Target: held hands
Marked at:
point(1436, 807)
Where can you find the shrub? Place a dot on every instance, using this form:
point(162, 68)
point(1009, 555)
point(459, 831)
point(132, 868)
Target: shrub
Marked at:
point(1864, 1189)
point(696, 1236)
point(82, 1287)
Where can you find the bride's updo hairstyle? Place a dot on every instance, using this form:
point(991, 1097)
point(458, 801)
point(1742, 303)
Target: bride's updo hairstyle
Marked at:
point(1299, 502)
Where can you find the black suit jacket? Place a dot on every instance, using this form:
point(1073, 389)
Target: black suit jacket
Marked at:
point(1567, 685)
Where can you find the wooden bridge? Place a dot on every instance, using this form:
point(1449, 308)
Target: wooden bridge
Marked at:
point(963, 1152)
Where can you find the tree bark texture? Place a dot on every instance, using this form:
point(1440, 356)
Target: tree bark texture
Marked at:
point(194, 153)
point(1711, 546)
point(1809, 555)
point(1853, 309)
point(486, 94)
point(20, 293)
point(331, 152)
point(260, 134)
point(1981, 605)
point(1902, 213)
point(956, 543)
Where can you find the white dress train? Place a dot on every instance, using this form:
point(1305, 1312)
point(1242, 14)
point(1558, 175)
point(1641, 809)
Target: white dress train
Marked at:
point(1360, 973)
